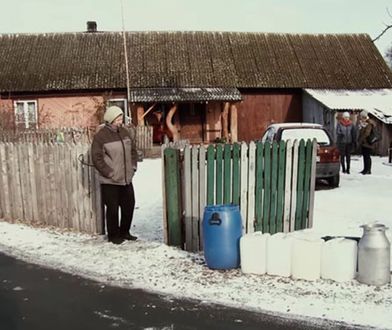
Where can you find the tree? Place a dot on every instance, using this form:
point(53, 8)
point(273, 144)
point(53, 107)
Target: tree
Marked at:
point(388, 54)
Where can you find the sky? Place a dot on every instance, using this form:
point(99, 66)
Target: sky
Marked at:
point(283, 16)
point(151, 265)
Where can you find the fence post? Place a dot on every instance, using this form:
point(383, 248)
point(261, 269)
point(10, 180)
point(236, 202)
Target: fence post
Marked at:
point(173, 196)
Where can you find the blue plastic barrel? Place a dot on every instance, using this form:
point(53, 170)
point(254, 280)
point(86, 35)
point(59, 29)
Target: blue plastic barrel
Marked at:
point(222, 230)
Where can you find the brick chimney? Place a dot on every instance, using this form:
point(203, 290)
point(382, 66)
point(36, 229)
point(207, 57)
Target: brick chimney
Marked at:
point(91, 26)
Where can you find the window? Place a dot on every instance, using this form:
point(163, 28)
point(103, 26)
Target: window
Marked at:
point(25, 114)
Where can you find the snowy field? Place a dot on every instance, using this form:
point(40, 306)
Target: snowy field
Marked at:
point(151, 265)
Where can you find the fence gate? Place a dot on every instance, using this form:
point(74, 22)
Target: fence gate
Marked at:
point(272, 183)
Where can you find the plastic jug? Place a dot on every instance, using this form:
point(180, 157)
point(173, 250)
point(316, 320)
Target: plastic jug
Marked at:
point(253, 251)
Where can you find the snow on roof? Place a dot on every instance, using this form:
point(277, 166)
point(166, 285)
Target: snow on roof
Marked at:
point(378, 102)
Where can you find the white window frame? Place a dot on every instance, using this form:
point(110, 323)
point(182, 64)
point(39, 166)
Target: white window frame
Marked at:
point(26, 113)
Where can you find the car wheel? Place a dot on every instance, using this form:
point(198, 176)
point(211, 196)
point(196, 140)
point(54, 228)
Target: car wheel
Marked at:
point(334, 181)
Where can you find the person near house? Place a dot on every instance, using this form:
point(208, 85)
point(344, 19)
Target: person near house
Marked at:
point(345, 140)
point(365, 127)
point(114, 155)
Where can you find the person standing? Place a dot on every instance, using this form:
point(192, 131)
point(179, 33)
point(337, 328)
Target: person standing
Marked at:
point(345, 133)
point(366, 126)
point(114, 155)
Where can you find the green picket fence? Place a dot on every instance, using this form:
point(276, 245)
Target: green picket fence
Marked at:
point(272, 183)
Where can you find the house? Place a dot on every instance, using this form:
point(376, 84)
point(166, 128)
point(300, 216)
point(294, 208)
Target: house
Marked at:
point(199, 86)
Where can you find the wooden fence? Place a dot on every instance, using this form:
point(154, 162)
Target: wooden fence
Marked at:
point(47, 184)
point(143, 136)
point(272, 183)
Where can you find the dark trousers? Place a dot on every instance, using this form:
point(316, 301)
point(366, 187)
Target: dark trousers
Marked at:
point(367, 160)
point(113, 197)
point(345, 156)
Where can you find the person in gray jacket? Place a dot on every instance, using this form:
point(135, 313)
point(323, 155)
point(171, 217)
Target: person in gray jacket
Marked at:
point(114, 155)
point(345, 140)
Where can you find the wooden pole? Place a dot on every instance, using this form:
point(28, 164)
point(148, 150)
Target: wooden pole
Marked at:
point(233, 123)
point(172, 128)
point(225, 121)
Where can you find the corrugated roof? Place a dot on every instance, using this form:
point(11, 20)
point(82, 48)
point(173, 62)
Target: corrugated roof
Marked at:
point(74, 61)
point(184, 94)
point(377, 101)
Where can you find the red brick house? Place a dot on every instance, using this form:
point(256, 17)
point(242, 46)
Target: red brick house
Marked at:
point(193, 85)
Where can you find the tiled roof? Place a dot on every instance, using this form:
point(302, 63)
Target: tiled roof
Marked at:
point(74, 61)
point(184, 94)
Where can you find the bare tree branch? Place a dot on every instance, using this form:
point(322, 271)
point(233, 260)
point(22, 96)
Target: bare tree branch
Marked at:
point(387, 27)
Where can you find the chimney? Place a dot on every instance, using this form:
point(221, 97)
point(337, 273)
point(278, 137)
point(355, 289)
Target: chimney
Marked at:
point(91, 26)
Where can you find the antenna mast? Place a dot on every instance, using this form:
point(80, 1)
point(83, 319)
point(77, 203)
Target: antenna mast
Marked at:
point(128, 110)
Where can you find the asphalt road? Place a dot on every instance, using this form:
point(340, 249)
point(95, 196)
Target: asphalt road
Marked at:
point(36, 298)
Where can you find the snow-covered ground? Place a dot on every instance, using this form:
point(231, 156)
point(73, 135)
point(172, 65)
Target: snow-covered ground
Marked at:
point(151, 265)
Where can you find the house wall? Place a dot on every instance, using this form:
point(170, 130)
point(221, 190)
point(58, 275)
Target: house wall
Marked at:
point(262, 108)
point(315, 112)
point(72, 111)
point(56, 111)
point(7, 119)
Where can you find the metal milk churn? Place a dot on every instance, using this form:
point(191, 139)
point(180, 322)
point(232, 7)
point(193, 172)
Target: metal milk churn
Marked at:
point(374, 252)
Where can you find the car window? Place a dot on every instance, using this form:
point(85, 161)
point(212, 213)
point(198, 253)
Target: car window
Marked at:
point(306, 133)
point(268, 135)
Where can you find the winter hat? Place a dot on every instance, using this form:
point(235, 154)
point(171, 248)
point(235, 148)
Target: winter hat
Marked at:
point(346, 115)
point(112, 113)
point(364, 114)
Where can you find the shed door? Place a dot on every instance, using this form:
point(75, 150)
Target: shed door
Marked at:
point(192, 121)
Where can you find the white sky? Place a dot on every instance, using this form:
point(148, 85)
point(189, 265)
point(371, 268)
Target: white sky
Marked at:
point(301, 16)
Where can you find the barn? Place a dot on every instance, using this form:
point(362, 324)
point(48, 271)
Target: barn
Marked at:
point(198, 86)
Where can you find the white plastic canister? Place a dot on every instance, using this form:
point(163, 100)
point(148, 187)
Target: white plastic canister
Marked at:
point(253, 251)
point(339, 259)
point(306, 257)
point(279, 255)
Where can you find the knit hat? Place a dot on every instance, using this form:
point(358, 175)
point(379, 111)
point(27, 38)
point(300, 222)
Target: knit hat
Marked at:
point(364, 114)
point(346, 114)
point(112, 113)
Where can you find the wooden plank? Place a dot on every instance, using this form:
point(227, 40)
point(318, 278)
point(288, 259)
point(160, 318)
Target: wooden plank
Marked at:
point(210, 174)
point(251, 187)
point(259, 186)
point(16, 182)
point(195, 199)
point(300, 185)
point(308, 168)
point(53, 215)
point(244, 185)
point(172, 182)
point(86, 191)
point(267, 188)
point(294, 171)
point(57, 181)
point(227, 174)
point(274, 187)
point(164, 201)
point(32, 156)
point(187, 195)
point(219, 175)
point(6, 195)
point(287, 186)
point(25, 179)
point(281, 182)
point(312, 184)
point(202, 190)
point(236, 174)
point(41, 183)
point(75, 190)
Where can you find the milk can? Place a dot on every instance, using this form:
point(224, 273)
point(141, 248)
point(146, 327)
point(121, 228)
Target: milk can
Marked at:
point(374, 255)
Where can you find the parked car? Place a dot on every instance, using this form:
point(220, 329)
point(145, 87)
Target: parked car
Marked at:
point(328, 157)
